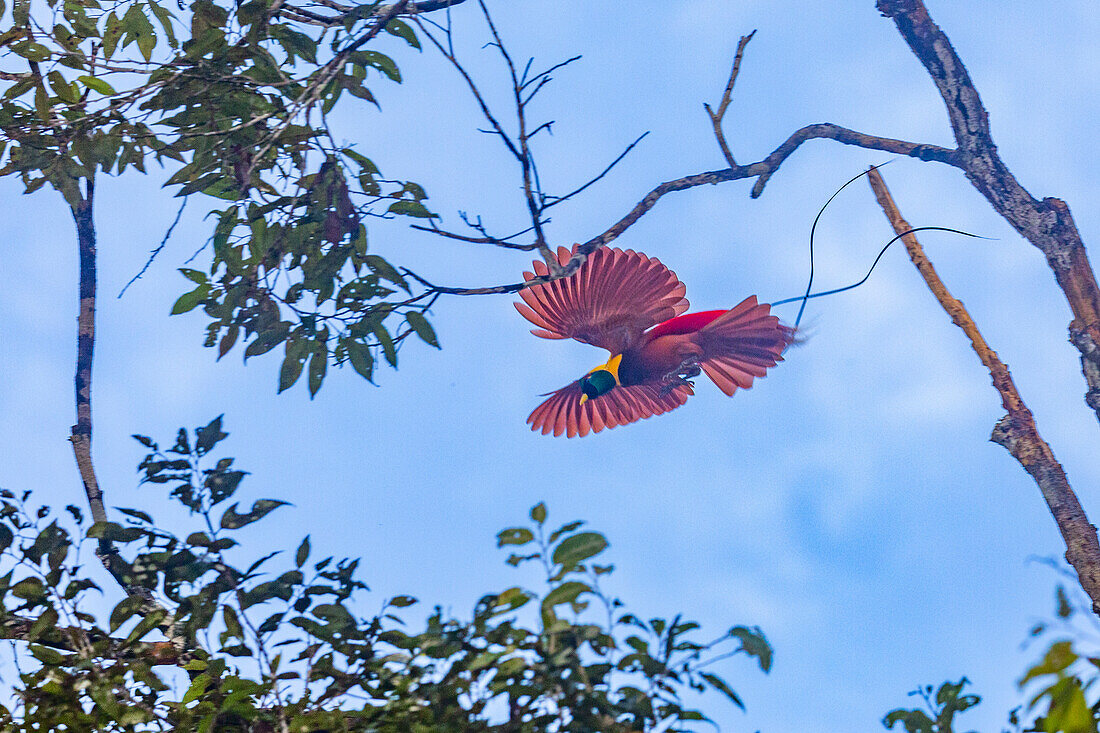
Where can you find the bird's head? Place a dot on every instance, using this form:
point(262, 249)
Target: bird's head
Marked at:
point(601, 380)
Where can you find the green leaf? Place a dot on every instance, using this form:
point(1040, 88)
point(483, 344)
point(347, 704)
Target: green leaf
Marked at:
point(32, 51)
point(401, 29)
point(361, 359)
point(538, 512)
point(65, 91)
point(576, 549)
point(1058, 658)
point(302, 554)
point(6, 537)
point(29, 589)
point(197, 688)
point(188, 301)
point(96, 85)
point(48, 657)
point(260, 509)
point(318, 364)
point(292, 364)
point(115, 532)
point(514, 536)
point(406, 207)
point(388, 348)
point(422, 328)
point(209, 435)
point(46, 621)
point(232, 624)
point(915, 721)
point(365, 164)
point(124, 610)
point(165, 18)
point(720, 684)
point(1065, 609)
point(402, 601)
point(755, 644)
point(379, 61)
point(136, 514)
point(567, 592)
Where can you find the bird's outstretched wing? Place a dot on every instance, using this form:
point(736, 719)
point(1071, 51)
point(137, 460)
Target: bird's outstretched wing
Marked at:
point(741, 344)
point(608, 302)
point(563, 413)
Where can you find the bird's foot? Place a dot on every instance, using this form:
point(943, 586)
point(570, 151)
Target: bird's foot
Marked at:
point(673, 381)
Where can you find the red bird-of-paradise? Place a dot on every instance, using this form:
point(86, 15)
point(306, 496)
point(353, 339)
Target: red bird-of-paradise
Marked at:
point(633, 306)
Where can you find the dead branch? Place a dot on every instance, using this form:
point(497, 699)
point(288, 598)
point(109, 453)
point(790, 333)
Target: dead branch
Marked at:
point(716, 117)
point(1047, 224)
point(1016, 431)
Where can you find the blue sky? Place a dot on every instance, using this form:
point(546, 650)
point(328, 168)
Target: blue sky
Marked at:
point(850, 504)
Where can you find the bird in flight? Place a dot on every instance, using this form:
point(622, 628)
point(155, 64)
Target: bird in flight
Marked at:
point(633, 306)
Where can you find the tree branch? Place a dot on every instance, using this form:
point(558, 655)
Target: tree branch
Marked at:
point(81, 432)
point(716, 117)
point(1016, 431)
point(829, 131)
point(1047, 224)
point(18, 628)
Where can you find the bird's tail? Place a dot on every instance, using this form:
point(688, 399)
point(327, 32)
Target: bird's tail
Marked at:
point(742, 344)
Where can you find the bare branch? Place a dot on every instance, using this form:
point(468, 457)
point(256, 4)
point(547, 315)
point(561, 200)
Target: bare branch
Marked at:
point(1047, 224)
point(531, 190)
point(485, 111)
point(716, 117)
point(499, 242)
point(427, 6)
point(830, 131)
point(559, 199)
point(157, 251)
point(1017, 430)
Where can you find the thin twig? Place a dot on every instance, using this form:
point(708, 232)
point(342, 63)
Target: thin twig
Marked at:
point(499, 242)
point(157, 251)
point(1016, 431)
point(716, 117)
point(559, 199)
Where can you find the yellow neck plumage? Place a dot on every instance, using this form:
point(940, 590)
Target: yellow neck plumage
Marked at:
point(611, 367)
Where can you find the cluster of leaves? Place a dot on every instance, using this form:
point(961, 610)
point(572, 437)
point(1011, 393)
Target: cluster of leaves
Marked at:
point(1062, 682)
point(279, 643)
point(236, 101)
point(938, 713)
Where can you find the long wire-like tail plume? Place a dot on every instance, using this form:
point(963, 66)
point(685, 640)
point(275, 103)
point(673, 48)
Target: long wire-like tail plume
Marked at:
point(813, 229)
point(809, 295)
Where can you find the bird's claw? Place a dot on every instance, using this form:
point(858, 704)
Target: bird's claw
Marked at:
point(676, 381)
point(681, 377)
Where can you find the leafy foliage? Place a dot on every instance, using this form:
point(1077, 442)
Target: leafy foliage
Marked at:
point(278, 641)
point(938, 715)
point(234, 97)
point(1060, 684)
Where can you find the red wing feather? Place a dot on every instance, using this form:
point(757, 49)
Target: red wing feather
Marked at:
point(742, 344)
point(609, 302)
point(563, 414)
